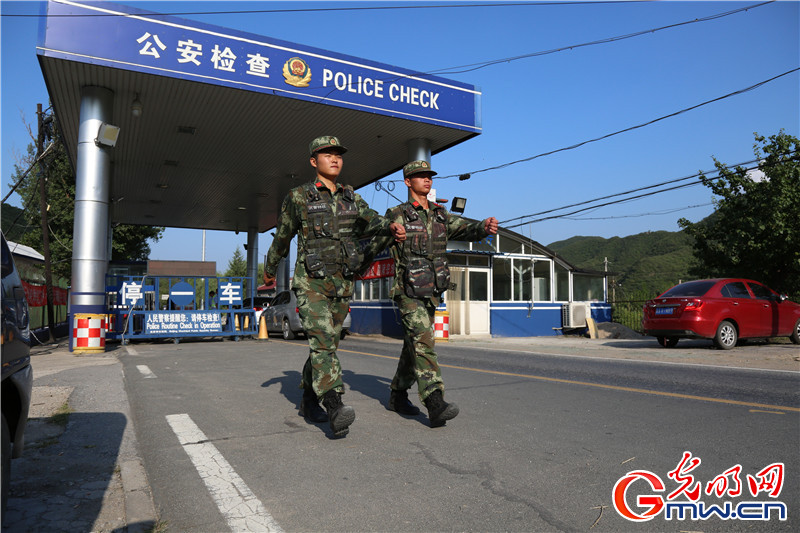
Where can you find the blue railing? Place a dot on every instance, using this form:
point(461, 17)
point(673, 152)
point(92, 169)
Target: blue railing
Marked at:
point(152, 307)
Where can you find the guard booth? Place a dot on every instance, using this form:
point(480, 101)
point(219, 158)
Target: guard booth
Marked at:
point(176, 307)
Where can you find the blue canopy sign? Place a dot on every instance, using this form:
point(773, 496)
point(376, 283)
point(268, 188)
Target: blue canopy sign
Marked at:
point(169, 46)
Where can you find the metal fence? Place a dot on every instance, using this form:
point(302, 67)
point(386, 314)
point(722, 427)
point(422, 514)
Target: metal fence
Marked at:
point(629, 313)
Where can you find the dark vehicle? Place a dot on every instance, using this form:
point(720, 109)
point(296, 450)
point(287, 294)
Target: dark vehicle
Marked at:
point(724, 310)
point(17, 374)
point(283, 316)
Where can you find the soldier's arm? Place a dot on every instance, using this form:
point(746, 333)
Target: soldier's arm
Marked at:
point(373, 223)
point(288, 224)
point(459, 229)
point(380, 242)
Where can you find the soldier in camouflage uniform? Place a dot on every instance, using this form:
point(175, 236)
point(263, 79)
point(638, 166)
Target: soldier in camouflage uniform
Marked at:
point(328, 218)
point(421, 276)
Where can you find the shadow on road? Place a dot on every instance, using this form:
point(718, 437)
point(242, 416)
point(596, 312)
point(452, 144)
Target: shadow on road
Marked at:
point(62, 479)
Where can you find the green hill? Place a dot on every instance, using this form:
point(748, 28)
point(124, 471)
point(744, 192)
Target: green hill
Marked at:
point(645, 264)
point(11, 213)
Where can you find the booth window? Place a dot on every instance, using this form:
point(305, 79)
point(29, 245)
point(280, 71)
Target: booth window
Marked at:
point(541, 281)
point(478, 287)
point(587, 288)
point(487, 244)
point(509, 245)
point(562, 283)
point(501, 279)
point(521, 270)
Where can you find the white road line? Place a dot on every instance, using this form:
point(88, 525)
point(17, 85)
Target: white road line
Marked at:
point(240, 507)
point(145, 371)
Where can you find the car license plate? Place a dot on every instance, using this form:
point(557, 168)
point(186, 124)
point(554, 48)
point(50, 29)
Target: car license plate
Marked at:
point(663, 310)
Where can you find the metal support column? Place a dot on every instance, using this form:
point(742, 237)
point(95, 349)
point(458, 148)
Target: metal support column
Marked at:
point(92, 185)
point(419, 150)
point(252, 260)
point(282, 275)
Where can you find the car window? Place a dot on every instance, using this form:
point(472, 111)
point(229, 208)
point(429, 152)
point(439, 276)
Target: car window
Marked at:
point(735, 289)
point(761, 292)
point(690, 288)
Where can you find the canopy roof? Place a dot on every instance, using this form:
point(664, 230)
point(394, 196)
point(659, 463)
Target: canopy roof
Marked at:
point(227, 116)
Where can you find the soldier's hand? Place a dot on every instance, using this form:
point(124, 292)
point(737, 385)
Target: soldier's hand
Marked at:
point(490, 225)
point(268, 279)
point(399, 231)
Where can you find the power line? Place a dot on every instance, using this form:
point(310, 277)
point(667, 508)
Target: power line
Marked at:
point(701, 175)
point(639, 215)
point(330, 9)
point(631, 128)
point(476, 66)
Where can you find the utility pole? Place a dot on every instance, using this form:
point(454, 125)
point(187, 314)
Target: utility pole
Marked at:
point(48, 276)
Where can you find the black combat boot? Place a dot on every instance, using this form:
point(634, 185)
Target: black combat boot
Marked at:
point(310, 408)
point(399, 403)
point(340, 415)
point(439, 411)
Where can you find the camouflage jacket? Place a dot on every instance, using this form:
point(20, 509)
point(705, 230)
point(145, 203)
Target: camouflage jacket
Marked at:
point(457, 229)
point(293, 220)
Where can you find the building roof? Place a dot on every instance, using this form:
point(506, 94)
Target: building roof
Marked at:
point(25, 251)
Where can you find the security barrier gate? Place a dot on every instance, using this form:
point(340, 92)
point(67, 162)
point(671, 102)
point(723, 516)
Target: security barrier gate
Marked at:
point(152, 307)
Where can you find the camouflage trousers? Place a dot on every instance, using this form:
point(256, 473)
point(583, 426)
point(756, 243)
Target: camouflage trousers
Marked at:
point(322, 319)
point(418, 358)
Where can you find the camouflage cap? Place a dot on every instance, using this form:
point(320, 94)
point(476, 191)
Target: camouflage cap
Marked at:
point(415, 167)
point(327, 141)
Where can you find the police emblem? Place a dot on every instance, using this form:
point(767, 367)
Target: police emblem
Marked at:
point(296, 72)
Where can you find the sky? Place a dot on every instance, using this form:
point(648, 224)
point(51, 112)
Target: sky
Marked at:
point(553, 75)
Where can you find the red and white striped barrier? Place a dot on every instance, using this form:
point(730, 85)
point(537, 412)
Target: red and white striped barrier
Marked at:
point(89, 333)
point(441, 326)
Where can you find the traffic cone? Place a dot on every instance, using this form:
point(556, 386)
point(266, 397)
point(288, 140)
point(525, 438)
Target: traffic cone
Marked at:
point(246, 321)
point(262, 329)
point(236, 321)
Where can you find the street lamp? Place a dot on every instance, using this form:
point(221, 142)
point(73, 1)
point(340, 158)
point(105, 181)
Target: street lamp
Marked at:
point(107, 135)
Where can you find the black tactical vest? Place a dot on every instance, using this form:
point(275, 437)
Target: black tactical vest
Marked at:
point(330, 243)
point(424, 253)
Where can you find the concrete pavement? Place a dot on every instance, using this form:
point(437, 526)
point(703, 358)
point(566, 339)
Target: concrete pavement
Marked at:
point(81, 470)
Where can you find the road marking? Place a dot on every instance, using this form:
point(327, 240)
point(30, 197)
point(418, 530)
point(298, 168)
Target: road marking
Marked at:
point(145, 371)
point(601, 386)
point(237, 503)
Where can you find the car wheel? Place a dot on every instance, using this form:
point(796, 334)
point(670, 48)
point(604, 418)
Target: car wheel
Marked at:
point(667, 342)
point(6, 463)
point(288, 334)
point(726, 336)
point(343, 334)
point(795, 336)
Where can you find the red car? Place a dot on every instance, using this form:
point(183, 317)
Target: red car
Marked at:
point(724, 310)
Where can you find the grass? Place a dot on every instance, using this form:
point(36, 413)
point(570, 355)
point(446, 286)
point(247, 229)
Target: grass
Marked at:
point(61, 416)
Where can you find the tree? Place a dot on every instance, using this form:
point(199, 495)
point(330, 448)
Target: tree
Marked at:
point(237, 266)
point(755, 229)
point(129, 242)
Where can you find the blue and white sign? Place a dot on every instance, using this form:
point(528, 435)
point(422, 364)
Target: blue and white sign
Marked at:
point(230, 293)
point(131, 293)
point(181, 294)
point(169, 46)
point(183, 322)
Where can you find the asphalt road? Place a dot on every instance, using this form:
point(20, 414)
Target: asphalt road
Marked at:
point(540, 443)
